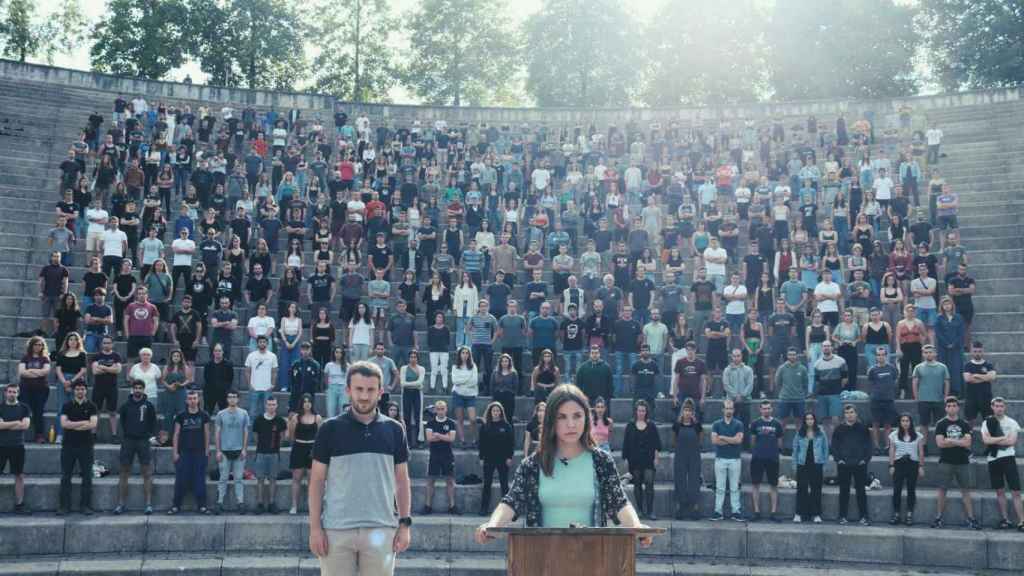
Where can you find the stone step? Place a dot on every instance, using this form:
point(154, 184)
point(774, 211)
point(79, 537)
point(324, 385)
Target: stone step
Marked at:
point(616, 439)
point(721, 556)
point(45, 460)
point(42, 493)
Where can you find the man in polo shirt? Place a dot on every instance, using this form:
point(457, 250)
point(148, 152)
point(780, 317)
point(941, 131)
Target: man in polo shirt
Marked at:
point(360, 472)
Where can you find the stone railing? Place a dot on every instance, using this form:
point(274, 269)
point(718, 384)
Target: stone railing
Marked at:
point(397, 114)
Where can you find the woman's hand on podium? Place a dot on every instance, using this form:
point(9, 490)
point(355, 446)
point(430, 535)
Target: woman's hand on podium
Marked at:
point(645, 540)
point(481, 536)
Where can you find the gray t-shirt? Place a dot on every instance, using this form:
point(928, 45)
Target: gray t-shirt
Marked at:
point(232, 425)
point(402, 327)
point(931, 383)
point(152, 249)
point(61, 238)
point(387, 366)
point(792, 381)
point(513, 331)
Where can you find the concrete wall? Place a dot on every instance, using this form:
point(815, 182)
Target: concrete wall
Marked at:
point(556, 116)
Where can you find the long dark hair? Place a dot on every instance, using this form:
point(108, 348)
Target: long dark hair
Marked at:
point(606, 420)
point(803, 425)
point(548, 441)
point(458, 358)
point(487, 413)
point(912, 436)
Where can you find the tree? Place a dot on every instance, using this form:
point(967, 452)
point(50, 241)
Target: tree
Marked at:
point(24, 34)
point(140, 38)
point(355, 59)
point(975, 44)
point(582, 53)
point(842, 49)
point(461, 50)
point(256, 43)
point(704, 52)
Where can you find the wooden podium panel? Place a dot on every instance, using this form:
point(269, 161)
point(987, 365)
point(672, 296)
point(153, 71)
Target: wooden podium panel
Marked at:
point(571, 551)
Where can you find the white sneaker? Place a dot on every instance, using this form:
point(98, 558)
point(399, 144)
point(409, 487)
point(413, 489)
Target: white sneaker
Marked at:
point(817, 519)
point(797, 519)
point(293, 511)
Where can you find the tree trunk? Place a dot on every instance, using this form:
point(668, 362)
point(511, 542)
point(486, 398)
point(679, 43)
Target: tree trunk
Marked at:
point(357, 93)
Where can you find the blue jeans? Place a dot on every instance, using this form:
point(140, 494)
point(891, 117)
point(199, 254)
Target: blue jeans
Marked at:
point(62, 397)
point(642, 315)
point(623, 362)
point(727, 475)
point(258, 401)
point(337, 398)
point(92, 342)
point(573, 358)
point(461, 338)
point(285, 358)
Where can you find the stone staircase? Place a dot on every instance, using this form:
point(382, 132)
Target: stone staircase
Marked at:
point(983, 147)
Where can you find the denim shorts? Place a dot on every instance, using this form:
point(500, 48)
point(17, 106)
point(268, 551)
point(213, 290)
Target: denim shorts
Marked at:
point(265, 466)
point(830, 405)
point(928, 316)
point(460, 401)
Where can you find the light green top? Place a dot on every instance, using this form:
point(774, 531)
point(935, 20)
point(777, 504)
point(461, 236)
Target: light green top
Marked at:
point(568, 496)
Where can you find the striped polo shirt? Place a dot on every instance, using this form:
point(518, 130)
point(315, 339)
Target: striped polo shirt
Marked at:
point(360, 488)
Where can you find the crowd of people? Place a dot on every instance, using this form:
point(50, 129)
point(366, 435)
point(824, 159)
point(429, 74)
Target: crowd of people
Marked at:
point(746, 259)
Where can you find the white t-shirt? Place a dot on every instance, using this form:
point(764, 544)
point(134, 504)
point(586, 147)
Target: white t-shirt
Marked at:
point(715, 268)
point(150, 377)
point(113, 243)
point(182, 259)
point(1009, 425)
point(735, 306)
point(830, 289)
point(280, 136)
point(743, 195)
point(261, 326)
point(883, 188)
point(633, 177)
point(94, 214)
point(540, 178)
point(263, 366)
point(934, 136)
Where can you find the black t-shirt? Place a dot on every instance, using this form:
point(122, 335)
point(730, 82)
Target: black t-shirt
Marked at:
point(71, 364)
point(645, 374)
point(982, 389)
point(533, 304)
point(13, 413)
point(268, 433)
point(191, 437)
point(626, 334)
point(572, 335)
point(703, 295)
point(211, 251)
point(441, 449)
point(107, 360)
point(716, 326)
point(76, 412)
point(953, 430)
point(641, 290)
point(93, 280)
point(755, 266)
point(921, 232)
point(438, 339)
point(321, 286)
point(379, 255)
point(963, 301)
point(258, 288)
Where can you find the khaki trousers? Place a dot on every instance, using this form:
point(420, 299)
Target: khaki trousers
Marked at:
point(359, 551)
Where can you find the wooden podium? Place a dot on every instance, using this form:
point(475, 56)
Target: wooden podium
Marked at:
point(570, 551)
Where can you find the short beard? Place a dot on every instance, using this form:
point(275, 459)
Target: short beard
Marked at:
point(355, 408)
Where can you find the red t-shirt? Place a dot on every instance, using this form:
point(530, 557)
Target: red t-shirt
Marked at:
point(142, 318)
point(348, 170)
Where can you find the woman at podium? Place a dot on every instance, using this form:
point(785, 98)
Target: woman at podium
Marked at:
point(568, 481)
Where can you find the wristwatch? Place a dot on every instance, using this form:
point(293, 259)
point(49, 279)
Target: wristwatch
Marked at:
point(405, 521)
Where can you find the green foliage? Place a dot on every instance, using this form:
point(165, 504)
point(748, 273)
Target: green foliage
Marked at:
point(582, 54)
point(842, 49)
point(25, 34)
point(461, 50)
point(975, 43)
point(705, 52)
point(355, 60)
point(140, 38)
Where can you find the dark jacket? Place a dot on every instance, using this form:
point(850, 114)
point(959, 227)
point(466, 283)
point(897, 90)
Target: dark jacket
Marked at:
point(138, 418)
point(218, 376)
point(639, 446)
point(497, 442)
point(851, 444)
point(595, 379)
